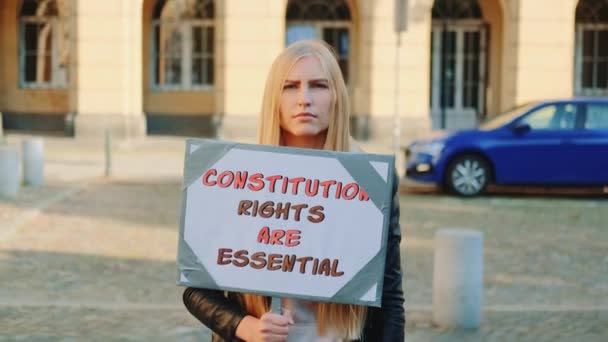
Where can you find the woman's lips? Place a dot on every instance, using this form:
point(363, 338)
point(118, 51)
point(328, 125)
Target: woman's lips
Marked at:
point(305, 115)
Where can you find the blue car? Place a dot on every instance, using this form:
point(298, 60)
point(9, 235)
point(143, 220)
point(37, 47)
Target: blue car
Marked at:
point(561, 143)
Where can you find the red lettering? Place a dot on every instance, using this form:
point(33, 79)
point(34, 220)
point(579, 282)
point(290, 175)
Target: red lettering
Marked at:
point(326, 185)
point(292, 238)
point(296, 182)
point(257, 179)
point(277, 235)
point(311, 188)
point(240, 180)
point(210, 172)
point(363, 196)
point(273, 180)
point(338, 190)
point(264, 235)
point(221, 179)
point(352, 186)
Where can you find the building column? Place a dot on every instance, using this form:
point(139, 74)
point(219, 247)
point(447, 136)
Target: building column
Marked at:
point(251, 34)
point(107, 88)
point(379, 63)
point(540, 50)
point(494, 13)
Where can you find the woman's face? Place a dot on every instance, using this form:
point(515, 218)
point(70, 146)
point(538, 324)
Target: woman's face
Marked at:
point(305, 103)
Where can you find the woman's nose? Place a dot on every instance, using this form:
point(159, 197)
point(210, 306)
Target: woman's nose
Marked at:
point(304, 98)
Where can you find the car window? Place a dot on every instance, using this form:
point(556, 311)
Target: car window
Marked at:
point(597, 116)
point(556, 116)
point(505, 117)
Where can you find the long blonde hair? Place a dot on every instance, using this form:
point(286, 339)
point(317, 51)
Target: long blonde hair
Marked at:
point(346, 320)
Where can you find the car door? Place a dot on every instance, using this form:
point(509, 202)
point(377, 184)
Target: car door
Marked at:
point(538, 148)
point(592, 144)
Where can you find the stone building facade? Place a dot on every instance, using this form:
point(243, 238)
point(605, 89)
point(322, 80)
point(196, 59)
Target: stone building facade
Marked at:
point(198, 67)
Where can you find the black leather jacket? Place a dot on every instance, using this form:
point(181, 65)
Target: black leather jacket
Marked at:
point(222, 312)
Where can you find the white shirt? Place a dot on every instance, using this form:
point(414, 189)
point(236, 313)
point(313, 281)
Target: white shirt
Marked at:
point(304, 328)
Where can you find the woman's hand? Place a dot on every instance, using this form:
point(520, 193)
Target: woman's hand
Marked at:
point(271, 327)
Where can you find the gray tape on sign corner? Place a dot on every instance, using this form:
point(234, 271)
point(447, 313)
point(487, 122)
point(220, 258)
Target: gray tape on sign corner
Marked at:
point(199, 161)
point(366, 176)
point(191, 268)
point(363, 281)
point(191, 271)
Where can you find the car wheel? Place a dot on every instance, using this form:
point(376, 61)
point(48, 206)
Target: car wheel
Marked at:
point(468, 175)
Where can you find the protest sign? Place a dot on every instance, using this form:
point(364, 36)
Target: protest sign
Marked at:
point(285, 222)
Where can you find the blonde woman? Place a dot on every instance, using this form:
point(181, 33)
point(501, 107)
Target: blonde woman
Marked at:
point(306, 105)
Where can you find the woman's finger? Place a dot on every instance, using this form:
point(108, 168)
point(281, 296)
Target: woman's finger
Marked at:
point(269, 328)
point(288, 315)
point(274, 319)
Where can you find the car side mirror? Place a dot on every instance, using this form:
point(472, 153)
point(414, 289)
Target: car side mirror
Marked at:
point(521, 128)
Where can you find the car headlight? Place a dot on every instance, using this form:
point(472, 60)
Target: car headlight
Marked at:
point(433, 148)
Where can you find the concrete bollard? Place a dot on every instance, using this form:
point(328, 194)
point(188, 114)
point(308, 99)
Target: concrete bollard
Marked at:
point(33, 161)
point(9, 172)
point(458, 278)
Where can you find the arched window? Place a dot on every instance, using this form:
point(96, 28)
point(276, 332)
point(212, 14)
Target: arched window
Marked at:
point(43, 43)
point(591, 62)
point(456, 10)
point(183, 44)
point(329, 20)
point(592, 11)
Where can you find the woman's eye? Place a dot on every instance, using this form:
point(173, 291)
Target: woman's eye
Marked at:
point(320, 85)
point(289, 86)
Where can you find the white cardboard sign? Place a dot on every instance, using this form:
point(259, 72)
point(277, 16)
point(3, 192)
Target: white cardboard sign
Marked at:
point(285, 222)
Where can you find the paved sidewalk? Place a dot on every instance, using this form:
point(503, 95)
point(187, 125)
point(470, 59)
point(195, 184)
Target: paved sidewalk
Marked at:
point(87, 257)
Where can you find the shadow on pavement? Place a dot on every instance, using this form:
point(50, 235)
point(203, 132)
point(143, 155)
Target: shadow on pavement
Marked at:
point(74, 277)
point(151, 204)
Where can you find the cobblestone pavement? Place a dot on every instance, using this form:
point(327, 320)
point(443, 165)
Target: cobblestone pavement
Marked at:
point(92, 258)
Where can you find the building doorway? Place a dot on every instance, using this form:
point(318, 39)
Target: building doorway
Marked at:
point(459, 39)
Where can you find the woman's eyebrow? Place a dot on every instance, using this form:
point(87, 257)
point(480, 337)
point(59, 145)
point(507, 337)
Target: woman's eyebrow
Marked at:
point(314, 80)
